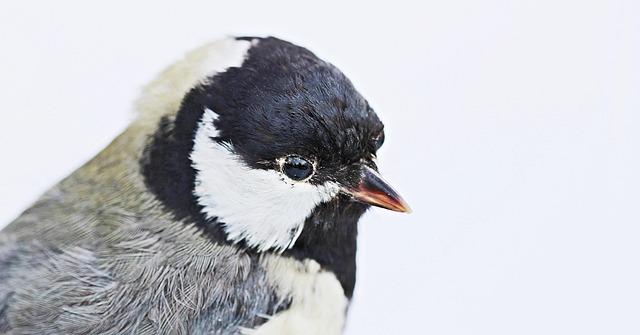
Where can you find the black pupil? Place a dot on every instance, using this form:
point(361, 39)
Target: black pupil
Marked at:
point(297, 168)
point(379, 141)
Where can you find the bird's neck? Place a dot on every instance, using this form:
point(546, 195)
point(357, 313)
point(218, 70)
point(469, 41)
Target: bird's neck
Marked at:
point(329, 237)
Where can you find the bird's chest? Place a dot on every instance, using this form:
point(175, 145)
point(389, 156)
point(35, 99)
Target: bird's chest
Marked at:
point(318, 304)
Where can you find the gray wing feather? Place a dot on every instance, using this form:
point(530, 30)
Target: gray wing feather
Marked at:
point(114, 272)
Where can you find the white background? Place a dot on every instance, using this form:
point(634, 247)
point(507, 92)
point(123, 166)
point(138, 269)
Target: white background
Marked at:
point(513, 129)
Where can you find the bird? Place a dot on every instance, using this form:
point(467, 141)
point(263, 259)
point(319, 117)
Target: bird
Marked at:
point(229, 205)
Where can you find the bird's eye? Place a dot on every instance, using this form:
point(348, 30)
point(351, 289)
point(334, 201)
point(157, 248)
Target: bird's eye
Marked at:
point(297, 168)
point(378, 141)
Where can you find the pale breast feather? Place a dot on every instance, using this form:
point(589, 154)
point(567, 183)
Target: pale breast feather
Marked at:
point(318, 303)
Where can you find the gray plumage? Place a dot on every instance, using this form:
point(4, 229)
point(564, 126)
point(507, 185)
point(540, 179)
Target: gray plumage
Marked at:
point(113, 262)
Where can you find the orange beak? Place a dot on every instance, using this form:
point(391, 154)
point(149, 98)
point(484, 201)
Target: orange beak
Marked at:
point(375, 191)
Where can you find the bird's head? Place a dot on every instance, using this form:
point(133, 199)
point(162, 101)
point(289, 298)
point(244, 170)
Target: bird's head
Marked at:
point(264, 138)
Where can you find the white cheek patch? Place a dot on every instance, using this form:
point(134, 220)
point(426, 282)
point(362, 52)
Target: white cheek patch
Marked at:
point(262, 207)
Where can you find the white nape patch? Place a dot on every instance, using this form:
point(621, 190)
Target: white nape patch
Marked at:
point(163, 96)
point(262, 207)
point(318, 304)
